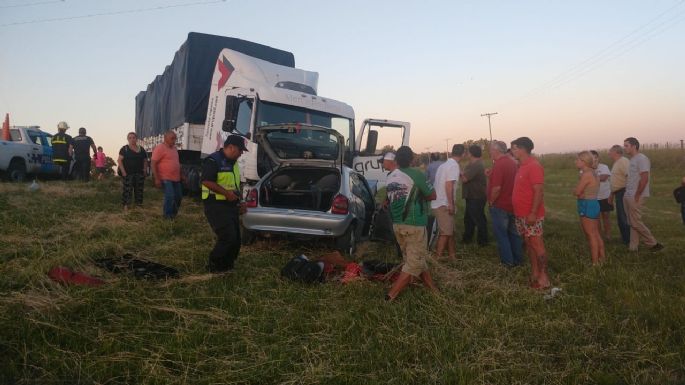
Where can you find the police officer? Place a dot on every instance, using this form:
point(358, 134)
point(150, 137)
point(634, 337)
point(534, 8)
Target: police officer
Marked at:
point(82, 145)
point(62, 149)
point(221, 197)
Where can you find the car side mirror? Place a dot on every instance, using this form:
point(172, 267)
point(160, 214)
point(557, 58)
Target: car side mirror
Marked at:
point(371, 142)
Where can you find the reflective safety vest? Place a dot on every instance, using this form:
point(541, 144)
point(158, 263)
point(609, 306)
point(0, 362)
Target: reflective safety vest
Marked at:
point(228, 176)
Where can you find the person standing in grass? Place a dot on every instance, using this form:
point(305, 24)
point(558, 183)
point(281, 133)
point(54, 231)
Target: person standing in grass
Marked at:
point(473, 191)
point(82, 145)
point(62, 149)
point(221, 198)
point(408, 193)
point(588, 205)
point(529, 209)
point(432, 168)
point(500, 187)
point(637, 192)
point(100, 163)
point(605, 208)
point(431, 172)
point(619, 175)
point(166, 169)
point(443, 207)
point(133, 166)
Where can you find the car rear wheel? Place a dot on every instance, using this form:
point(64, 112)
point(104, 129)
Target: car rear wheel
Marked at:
point(16, 172)
point(347, 243)
point(247, 237)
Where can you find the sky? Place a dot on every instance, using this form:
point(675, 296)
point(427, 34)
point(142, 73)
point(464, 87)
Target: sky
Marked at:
point(571, 75)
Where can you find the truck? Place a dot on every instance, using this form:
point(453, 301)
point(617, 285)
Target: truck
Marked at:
point(28, 152)
point(216, 86)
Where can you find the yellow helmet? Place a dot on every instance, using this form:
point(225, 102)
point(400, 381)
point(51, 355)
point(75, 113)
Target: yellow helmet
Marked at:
point(62, 125)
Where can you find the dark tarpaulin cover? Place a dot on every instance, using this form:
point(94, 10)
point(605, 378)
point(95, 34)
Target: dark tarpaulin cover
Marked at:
point(181, 93)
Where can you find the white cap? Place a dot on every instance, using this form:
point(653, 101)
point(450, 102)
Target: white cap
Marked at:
point(388, 156)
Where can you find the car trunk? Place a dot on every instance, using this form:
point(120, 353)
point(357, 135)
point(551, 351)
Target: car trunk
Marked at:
point(304, 188)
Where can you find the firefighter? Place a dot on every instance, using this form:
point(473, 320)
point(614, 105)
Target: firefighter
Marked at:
point(62, 149)
point(221, 198)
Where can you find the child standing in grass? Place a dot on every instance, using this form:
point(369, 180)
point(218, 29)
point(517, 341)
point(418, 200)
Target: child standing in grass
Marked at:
point(588, 207)
point(100, 163)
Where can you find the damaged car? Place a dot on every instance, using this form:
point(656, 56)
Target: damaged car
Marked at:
point(309, 192)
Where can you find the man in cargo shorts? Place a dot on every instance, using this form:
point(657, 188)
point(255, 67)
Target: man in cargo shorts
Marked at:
point(443, 207)
point(408, 192)
point(529, 209)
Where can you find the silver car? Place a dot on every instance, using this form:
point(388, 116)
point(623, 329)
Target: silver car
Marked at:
point(309, 192)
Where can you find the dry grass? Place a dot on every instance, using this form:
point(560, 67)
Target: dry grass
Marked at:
point(619, 324)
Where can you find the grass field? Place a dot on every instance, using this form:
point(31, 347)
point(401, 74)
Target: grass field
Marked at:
point(622, 323)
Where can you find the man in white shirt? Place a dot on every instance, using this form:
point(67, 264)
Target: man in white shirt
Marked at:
point(605, 208)
point(637, 192)
point(443, 206)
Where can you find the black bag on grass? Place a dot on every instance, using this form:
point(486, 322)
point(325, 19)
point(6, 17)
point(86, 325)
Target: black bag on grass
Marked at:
point(139, 267)
point(301, 269)
point(375, 266)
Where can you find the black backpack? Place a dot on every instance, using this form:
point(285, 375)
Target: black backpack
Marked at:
point(301, 269)
point(679, 194)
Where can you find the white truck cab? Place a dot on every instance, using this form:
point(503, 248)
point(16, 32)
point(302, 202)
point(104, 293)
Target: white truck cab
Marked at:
point(248, 93)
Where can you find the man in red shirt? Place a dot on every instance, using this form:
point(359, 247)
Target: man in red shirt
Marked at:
point(529, 209)
point(166, 170)
point(500, 188)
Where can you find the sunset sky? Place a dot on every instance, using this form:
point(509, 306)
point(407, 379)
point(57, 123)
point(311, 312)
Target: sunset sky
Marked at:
point(571, 75)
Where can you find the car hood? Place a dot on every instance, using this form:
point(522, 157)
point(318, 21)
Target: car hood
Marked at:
point(301, 144)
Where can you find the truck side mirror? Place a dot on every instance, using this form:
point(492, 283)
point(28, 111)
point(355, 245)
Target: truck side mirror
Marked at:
point(371, 142)
point(231, 113)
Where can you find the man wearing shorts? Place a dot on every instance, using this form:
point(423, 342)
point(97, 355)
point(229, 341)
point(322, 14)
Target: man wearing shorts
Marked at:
point(408, 192)
point(443, 206)
point(529, 209)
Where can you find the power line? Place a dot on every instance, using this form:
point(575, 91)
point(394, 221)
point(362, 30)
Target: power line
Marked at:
point(622, 45)
point(637, 42)
point(139, 10)
point(31, 4)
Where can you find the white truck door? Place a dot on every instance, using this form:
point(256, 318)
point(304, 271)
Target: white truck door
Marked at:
point(377, 136)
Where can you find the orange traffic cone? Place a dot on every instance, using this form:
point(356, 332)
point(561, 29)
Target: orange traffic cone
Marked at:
point(6, 128)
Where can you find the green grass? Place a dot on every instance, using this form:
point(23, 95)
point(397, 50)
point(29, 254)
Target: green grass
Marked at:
point(623, 323)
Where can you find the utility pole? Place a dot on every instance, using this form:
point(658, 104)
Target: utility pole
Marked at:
point(489, 114)
point(447, 144)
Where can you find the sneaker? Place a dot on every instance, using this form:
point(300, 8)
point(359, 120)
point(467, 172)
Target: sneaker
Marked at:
point(656, 247)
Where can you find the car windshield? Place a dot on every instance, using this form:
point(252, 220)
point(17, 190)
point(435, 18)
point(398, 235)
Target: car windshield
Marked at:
point(295, 142)
point(272, 113)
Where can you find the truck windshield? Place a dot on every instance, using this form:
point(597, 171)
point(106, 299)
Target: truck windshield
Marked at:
point(272, 113)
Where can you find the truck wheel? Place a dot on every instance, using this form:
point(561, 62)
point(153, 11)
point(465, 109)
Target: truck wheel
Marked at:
point(347, 243)
point(16, 172)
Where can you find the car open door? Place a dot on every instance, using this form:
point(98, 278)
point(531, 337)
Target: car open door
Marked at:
point(377, 136)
